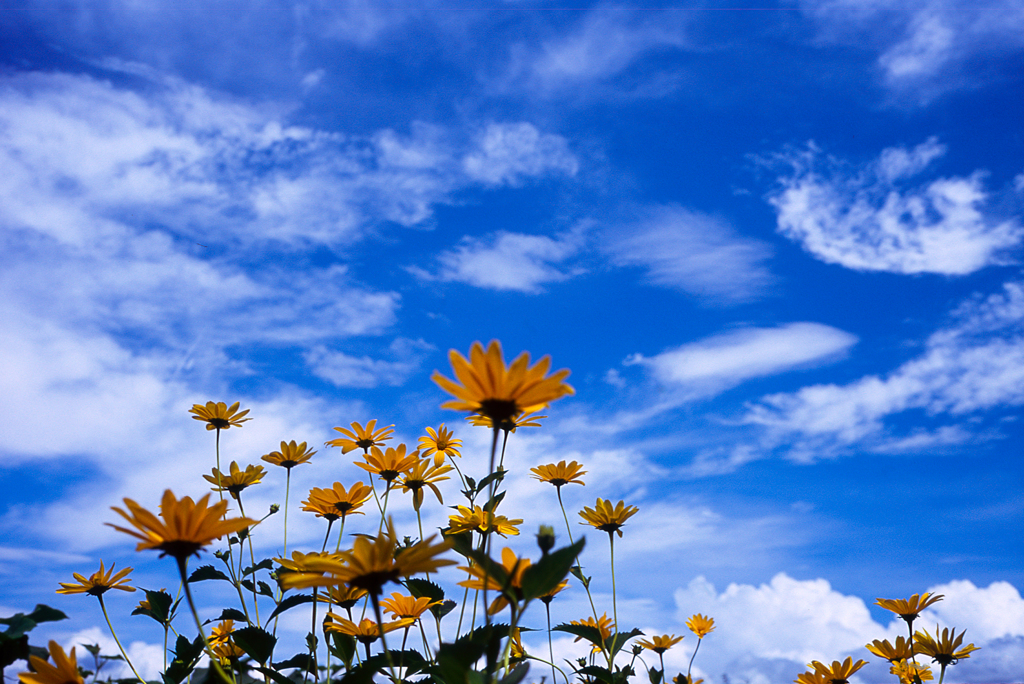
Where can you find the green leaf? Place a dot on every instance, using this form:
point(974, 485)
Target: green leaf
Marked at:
point(496, 476)
point(159, 606)
point(265, 564)
point(577, 572)
point(290, 602)
point(654, 675)
point(619, 640)
point(545, 575)
point(588, 632)
point(94, 649)
point(493, 502)
point(342, 647)
point(517, 674)
point(597, 672)
point(275, 675)
point(421, 587)
point(496, 571)
point(232, 614)
point(264, 589)
point(186, 655)
point(13, 649)
point(17, 625)
point(42, 613)
point(256, 642)
point(207, 572)
point(302, 661)
point(462, 544)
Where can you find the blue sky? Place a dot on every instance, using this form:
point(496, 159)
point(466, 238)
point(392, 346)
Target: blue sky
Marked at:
point(778, 246)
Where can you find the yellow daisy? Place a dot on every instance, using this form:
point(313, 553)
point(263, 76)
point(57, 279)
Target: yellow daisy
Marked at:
point(521, 419)
point(514, 568)
point(485, 385)
point(336, 502)
point(909, 609)
point(361, 438)
point(290, 455)
point(63, 671)
point(98, 582)
point(660, 644)
point(389, 464)
point(944, 648)
point(606, 517)
point(903, 650)
point(219, 416)
point(366, 632)
point(560, 474)
point(440, 444)
point(603, 625)
point(476, 519)
point(700, 625)
point(837, 673)
point(401, 606)
point(908, 671)
point(235, 480)
point(424, 474)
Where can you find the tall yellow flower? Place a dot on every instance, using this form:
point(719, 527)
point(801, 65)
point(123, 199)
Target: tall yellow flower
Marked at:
point(425, 473)
point(660, 644)
point(903, 650)
point(944, 648)
point(521, 419)
point(700, 625)
point(907, 672)
point(389, 464)
point(485, 385)
point(290, 455)
point(481, 580)
point(98, 582)
point(560, 474)
point(223, 645)
point(361, 438)
point(606, 517)
point(235, 480)
point(476, 519)
point(186, 528)
point(909, 609)
point(440, 444)
point(837, 673)
point(810, 678)
point(218, 415)
point(367, 631)
point(63, 671)
point(336, 502)
point(345, 597)
point(401, 606)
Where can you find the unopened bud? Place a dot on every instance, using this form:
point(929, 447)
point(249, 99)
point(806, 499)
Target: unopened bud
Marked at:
point(274, 508)
point(546, 538)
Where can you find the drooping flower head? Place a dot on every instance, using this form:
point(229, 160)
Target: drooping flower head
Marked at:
point(218, 415)
point(909, 609)
point(606, 517)
point(440, 444)
point(361, 438)
point(944, 648)
point(560, 474)
point(700, 625)
point(235, 480)
point(98, 582)
point(336, 502)
point(425, 473)
point(187, 526)
point(660, 644)
point(485, 385)
point(290, 455)
point(476, 519)
point(63, 671)
point(389, 464)
point(837, 672)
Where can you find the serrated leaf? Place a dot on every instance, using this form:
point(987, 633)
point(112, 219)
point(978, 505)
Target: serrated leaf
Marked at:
point(588, 632)
point(290, 602)
point(207, 572)
point(419, 588)
point(94, 649)
point(256, 642)
point(159, 606)
point(619, 639)
point(265, 564)
point(596, 671)
point(302, 661)
point(275, 675)
point(654, 675)
point(342, 647)
point(264, 589)
point(543, 576)
point(577, 572)
point(232, 614)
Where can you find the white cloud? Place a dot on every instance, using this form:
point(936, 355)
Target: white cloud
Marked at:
point(714, 364)
point(865, 220)
point(508, 153)
point(344, 370)
point(972, 366)
point(509, 261)
point(693, 252)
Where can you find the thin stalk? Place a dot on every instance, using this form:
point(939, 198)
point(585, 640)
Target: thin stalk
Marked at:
point(586, 585)
point(252, 557)
point(699, 639)
point(615, 605)
point(383, 639)
point(214, 660)
point(117, 641)
point(551, 650)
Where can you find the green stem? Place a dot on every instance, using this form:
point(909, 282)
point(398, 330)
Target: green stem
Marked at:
point(551, 650)
point(383, 640)
point(692, 657)
point(252, 558)
point(117, 641)
point(214, 660)
point(615, 605)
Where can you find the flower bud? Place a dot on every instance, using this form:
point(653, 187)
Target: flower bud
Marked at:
point(546, 538)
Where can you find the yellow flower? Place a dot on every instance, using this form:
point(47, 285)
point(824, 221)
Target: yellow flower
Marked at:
point(516, 652)
point(603, 625)
point(300, 562)
point(424, 474)
point(700, 625)
point(98, 582)
point(560, 474)
point(235, 480)
point(945, 648)
point(485, 385)
point(219, 416)
point(484, 522)
point(521, 419)
point(683, 679)
point(440, 444)
point(372, 564)
point(810, 678)
point(336, 502)
point(909, 609)
point(222, 644)
point(837, 673)
point(903, 649)
point(366, 632)
point(290, 455)
point(361, 438)
point(660, 644)
point(514, 567)
point(187, 526)
point(606, 517)
point(389, 464)
point(344, 597)
point(63, 671)
point(401, 606)
point(907, 672)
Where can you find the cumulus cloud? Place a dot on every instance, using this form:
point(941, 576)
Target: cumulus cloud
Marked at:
point(507, 261)
point(974, 365)
point(717, 363)
point(699, 254)
point(344, 370)
point(871, 219)
point(506, 154)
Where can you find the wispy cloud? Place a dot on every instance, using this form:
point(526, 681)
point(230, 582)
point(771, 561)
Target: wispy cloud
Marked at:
point(344, 370)
point(507, 154)
point(715, 364)
point(975, 365)
point(696, 253)
point(507, 261)
point(869, 218)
